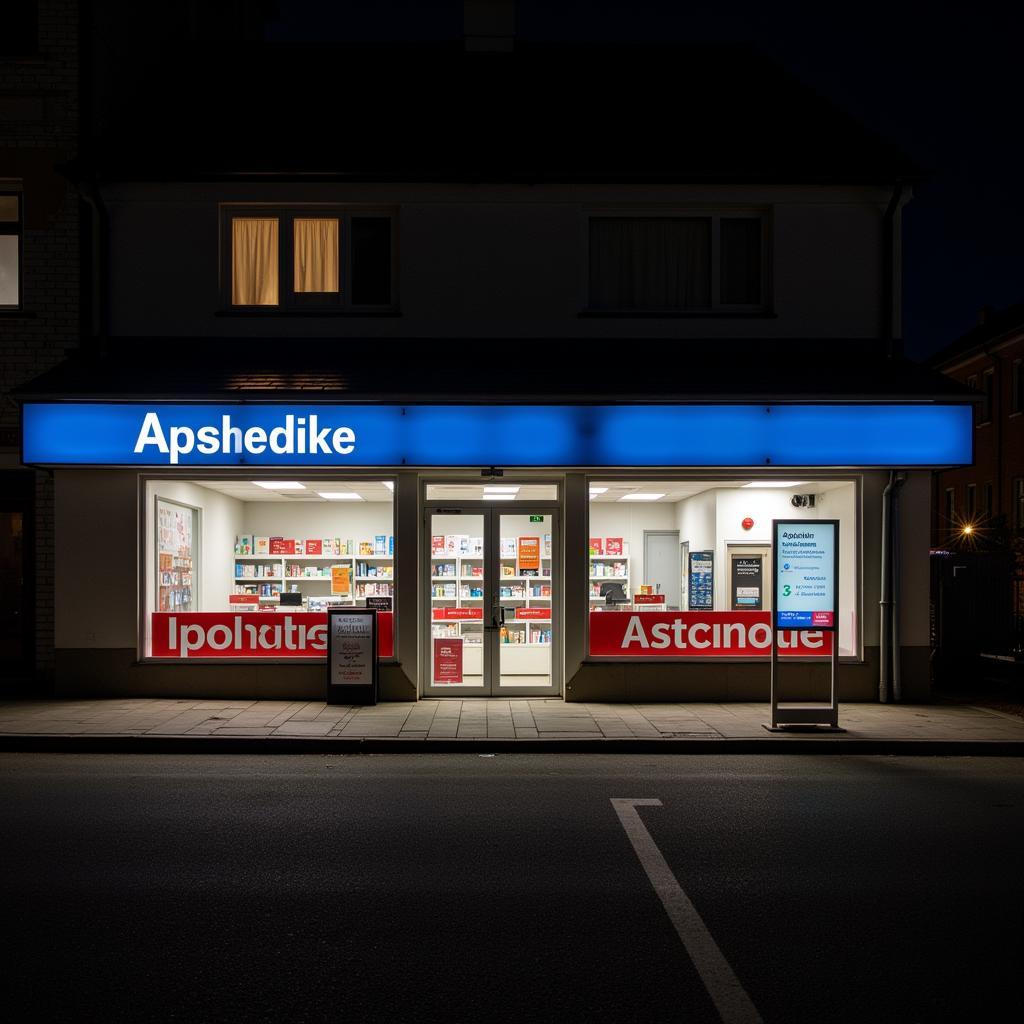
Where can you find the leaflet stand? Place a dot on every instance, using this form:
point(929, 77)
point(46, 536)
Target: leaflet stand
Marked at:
point(352, 657)
point(806, 576)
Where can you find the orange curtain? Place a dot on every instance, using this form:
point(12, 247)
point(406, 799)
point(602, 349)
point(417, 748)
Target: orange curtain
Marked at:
point(316, 254)
point(254, 261)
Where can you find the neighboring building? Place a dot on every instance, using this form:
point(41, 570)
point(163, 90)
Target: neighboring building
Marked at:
point(978, 509)
point(989, 361)
point(40, 307)
point(571, 346)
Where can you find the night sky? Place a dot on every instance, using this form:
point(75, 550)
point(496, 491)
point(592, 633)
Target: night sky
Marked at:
point(943, 83)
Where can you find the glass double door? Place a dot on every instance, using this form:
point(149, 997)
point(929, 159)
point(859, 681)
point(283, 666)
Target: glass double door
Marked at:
point(493, 602)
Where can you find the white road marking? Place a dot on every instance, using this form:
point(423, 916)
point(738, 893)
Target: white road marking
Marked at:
point(730, 999)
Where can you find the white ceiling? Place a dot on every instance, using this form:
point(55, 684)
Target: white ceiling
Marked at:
point(677, 490)
point(475, 492)
point(246, 490)
point(674, 490)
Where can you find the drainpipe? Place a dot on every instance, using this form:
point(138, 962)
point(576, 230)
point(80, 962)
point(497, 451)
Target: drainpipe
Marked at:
point(891, 329)
point(894, 611)
point(885, 602)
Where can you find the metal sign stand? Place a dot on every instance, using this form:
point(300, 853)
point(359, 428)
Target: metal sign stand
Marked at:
point(819, 716)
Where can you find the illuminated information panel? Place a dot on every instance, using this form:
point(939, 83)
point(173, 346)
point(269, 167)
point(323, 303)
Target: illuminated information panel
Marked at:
point(806, 553)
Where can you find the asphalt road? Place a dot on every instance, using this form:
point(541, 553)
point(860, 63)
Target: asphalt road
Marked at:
point(467, 888)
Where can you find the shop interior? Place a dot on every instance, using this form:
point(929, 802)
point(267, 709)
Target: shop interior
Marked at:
point(262, 545)
point(693, 545)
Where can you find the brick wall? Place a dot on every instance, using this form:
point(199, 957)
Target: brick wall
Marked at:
point(39, 118)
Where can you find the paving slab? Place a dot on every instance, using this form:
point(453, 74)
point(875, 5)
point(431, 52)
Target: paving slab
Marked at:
point(521, 723)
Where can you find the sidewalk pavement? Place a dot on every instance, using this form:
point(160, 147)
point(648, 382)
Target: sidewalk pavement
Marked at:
point(265, 726)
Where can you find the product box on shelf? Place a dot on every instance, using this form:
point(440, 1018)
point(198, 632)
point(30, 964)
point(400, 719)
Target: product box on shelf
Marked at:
point(380, 544)
point(597, 545)
point(261, 545)
point(366, 547)
point(243, 544)
point(437, 545)
point(613, 546)
point(314, 547)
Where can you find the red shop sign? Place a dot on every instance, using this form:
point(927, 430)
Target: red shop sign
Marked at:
point(252, 634)
point(648, 599)
point(533, 613)
point(698, 635)
point(447, 614)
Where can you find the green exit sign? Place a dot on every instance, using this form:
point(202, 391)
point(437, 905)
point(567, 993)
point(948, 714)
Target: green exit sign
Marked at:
point(536, 519)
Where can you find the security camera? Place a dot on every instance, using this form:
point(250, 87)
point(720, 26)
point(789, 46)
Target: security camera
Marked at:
point(802, 501)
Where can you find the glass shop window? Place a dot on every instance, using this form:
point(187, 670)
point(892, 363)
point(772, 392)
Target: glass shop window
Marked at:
point(670, 551)
point(225, 558)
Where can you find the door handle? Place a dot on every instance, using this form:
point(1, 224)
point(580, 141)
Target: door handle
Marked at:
point(497, 616)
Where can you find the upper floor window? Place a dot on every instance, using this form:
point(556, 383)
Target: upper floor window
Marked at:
point(10, 251)
point(672, 264)
point(988, 379)
point(320, 258)
point(1017, 393)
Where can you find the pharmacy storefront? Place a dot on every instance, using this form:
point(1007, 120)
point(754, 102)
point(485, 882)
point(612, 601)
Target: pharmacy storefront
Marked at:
point(604, 552)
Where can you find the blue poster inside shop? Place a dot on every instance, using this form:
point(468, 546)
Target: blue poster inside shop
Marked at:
point(702, 581)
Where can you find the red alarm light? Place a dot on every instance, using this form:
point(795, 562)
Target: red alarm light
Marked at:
point(748, 523)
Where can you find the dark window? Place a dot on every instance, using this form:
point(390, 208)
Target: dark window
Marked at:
point(1018, 503)
point(972, 501)
point(371, 261)
point(1017, 396)
point(316, 258)
point(740, 261)
point(19, 29)
point(650, 263)
point(10, 251)
point(950, 507)
point(675, 264)
point(988, 397)
point(986, 500)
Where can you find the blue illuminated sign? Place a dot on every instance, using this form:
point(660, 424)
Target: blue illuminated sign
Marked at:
point(142, 434)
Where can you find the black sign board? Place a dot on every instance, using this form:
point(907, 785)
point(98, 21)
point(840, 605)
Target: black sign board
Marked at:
point(747, 583)
point(380, 604)
point(352, 660)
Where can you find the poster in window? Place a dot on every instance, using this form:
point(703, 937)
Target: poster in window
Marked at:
point(702, 581)
point(529, 556)
point(176, 529)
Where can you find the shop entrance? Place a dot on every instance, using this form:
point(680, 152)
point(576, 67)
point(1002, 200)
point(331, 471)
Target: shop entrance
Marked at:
point(492, 601)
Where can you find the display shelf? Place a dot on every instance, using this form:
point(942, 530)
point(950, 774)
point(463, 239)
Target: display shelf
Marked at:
point(258, 579)
point(611, 578)
point(606, 558)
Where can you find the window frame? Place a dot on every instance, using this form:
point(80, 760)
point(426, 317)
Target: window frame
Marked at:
point(815, 476)
point(16, 228)
point(1017, 387)
point(290, 302)
point(986, 410)
point(147, 588)
point(717, 308)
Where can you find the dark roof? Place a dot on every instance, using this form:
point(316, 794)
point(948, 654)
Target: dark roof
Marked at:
point(504, 370)
point(977, 339)
point(540, 114)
